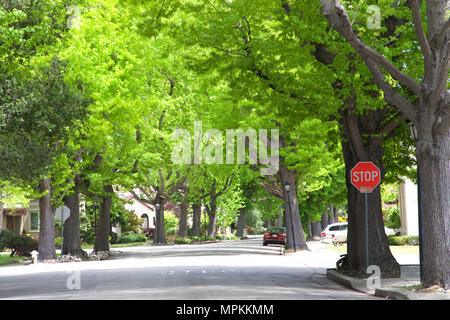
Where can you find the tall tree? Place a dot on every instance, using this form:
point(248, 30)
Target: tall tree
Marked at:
point(430, 113)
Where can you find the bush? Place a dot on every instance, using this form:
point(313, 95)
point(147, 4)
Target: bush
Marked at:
point(403, 240)
point(133, 237)
point(219, 237)
point(182, 240)
point(194, 238)
point(113, 238)
point(58, 242)
point(393, 218)
point(20, 245)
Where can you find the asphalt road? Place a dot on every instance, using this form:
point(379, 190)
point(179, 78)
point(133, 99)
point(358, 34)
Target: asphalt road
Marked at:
point(235, 270)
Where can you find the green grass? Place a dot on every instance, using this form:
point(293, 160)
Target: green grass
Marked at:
point(5, 259)
point(121, 245)
point(394, 249)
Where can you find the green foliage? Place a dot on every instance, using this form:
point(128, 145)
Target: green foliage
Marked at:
point(36, 118)
point(170, 224)
point(182, 241)
point(132, 237)
point(20, 245)
point(393, 219)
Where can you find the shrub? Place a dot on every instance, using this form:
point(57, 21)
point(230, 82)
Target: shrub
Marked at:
point(403, 240)
point(219, 237)
point(20, 245)
point(133, 237)
point(182, 240)
point(113, 238)
point(393, 218)
point(58, 242)
point(194, 238)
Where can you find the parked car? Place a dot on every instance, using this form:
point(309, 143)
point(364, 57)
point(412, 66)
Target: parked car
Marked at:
point(336, 233)
point(275, 236)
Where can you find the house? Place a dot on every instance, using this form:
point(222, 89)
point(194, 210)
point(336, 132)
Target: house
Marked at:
point(21, 220)
point(408, 202)
point(141, 209)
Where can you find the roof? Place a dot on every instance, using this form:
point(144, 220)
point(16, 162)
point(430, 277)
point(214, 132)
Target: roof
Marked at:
point(15, 211)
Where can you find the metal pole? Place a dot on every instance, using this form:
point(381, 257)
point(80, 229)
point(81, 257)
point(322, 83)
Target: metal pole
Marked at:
point(292, 220)
point(367, 228)
point(419, 202)
point(62, 235)
point(95, 229)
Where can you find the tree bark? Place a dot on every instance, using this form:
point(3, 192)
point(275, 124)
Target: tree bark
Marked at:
point(294, 229)
point(324, 220)
point(104, 221)
point(316, 229)
point(434, 174)
point(72, 238)
point(182, 222)
point(160, 232)
point(46, 223)
point(196, 219)
point(240, 227)
point(211, 210)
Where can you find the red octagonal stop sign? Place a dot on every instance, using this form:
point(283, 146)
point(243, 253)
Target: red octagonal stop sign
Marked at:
point(365, 176)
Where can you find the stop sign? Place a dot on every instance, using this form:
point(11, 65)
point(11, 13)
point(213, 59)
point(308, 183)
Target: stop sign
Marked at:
point(365, 176)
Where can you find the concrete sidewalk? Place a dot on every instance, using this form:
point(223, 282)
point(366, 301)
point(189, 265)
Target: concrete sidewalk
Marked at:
point(392, 288)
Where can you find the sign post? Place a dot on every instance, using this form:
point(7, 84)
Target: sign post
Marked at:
point(62, 213)
point(365, 176)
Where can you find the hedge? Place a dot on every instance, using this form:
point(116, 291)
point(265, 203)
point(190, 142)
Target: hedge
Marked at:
point(403, 240)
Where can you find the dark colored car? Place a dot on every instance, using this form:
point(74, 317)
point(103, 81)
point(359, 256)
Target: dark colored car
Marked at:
point(275, 236)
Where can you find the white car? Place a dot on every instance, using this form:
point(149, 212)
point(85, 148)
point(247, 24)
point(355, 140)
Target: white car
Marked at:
point(336, 233)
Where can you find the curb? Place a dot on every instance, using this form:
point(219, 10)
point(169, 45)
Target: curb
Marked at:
point(396, 294)
point(356, 284)
point(388, 292)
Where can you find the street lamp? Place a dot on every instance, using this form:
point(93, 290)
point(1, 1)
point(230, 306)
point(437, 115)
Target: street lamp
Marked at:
point(414, 136)
point(287, 187)
point(94, 204)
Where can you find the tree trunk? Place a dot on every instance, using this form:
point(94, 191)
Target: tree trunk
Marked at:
point(104, 221)
point(72, 238)
point(160, 232)
point(324, 220)
point(240, 228)
point(46, 223)
point(280, 220)
point(182, 222)
point(294, 229)
point(434, 174)
point(379, 251)
point(212, 217)
point(196, 219)
point(316, 229)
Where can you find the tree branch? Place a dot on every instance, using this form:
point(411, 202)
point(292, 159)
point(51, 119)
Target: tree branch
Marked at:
point(339, 20)
point(390, 95)
point(388, 128)
point(418, 28)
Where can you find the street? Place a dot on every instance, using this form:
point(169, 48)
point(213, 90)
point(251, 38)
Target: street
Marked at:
point(237, 270)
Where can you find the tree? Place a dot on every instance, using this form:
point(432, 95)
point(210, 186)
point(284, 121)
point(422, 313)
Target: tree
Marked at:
point(429, 112)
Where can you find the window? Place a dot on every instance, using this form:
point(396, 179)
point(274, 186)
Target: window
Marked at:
point(335, 228)
point(34, 221)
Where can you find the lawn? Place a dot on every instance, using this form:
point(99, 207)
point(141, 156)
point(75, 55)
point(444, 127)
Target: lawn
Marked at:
point(121, 245)
point(394, 249)
point(6, 259)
